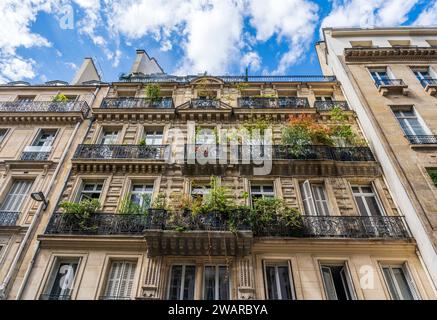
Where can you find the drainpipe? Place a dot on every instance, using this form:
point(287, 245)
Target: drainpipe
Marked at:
point(4, 285)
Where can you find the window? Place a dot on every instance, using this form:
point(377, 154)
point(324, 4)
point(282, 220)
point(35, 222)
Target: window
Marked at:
point(216, 283)
point(411, 124)
point(90, 191)
point(314, 199)
point(120, 280)
point(109, 137)
point(278, 281)
point(25, 98)
point(153, 137)
point(205, 136)
point(16, 195)
point(367, 201)
point(61, 282)
point(424, 75)
point(141, 194)
point(45, 138)
point(200, 192)
point(262, 191)
point(399, 283)
point(433, 174)
point(182, 282)
point(323, 98)
point(3, 133)
point(399, 43)
point(380, 76)
point(337, 283)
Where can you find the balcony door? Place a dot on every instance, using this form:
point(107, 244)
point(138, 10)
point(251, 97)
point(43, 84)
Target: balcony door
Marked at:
point(61, 281)
point(109, 137)
point(16, 196)
point(411, 123)
point(314, 199)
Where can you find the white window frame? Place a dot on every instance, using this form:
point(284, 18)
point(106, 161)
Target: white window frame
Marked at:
point(3, 136)
point(262, 193)
point(202, 190)
point(217, 282)
point(277, 264)
point(409, 279)
point(362, 195)
point(378, 70)
point(349, 283)
point(82, 191)
point(404, 119)
point(153, 136)
point(309, 197)
point(181, 289)
point(111, 133)
point(147, 188)
point(16, 199)
point(129, 281)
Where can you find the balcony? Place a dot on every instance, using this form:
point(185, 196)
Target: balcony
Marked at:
point(396, 53)
point(329, 105)
point(55, 297)
point(137, 103)
point(391, 86)
point(8, 218)
point(430, 85)
point(281, 102)
point(352, 227)
point(122, 152)
point(36, 153)
point(422, 140)
point(45, 106)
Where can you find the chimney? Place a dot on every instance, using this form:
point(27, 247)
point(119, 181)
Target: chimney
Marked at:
point(146, 65)
point(87, 72)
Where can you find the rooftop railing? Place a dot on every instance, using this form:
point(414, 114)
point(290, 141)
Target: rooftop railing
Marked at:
point(137, 103)
point(45, 106)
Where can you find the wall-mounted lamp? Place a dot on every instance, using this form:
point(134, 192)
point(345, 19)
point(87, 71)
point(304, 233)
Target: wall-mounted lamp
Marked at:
point(40, 197)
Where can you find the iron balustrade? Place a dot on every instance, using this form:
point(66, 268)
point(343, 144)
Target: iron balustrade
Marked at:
point(114, 298)
point(55, 297)
point(281, 102)
point(8, 218)
point(278, 152)
point(137, 103)
point(34, 156)
point(329, 105)
point(389, 82)
point(115, 151)
point(422, 139)
point(226, 79)
point(205, 103)
point(45, 106)
point(428, 82)
point(392, 227)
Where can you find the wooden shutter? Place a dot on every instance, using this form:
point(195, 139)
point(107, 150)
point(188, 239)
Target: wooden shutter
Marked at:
point(113, 283)
point(308, 199)
point(127, 280)
point(120, 279)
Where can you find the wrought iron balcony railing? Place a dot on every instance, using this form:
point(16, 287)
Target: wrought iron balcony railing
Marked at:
point(45, 106)
point(226, 79)
point(392, 227)
point(114, 298)
point(8, 218)
point(281, 102)
point(205, 103)
point(389, 83)
point(115, 151)
point(34, 156)
point(280, 152)
point(329, 105)
point(422, 139)
point(428, 82)
point(137, 103)
point(55, 297)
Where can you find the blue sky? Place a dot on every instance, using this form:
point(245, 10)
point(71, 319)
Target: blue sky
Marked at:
point(43, 40)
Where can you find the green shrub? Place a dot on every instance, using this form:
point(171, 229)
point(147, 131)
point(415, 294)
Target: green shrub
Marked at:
point(60, 98)
point(82, 212)
point(433, 174)
point(130, 207)
point(153, 91)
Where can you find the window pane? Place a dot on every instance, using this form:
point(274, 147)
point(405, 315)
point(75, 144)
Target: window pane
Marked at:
point(284, 283)
point(190, 274)
point(175, 283)
point(209, 289)
point(272, 291)
point(223, 283)
point(402, 283)
point(390, 283)
point(373, 206)
point(361, 208)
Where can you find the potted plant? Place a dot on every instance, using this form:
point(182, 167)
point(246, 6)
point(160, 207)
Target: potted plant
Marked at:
point(81, 214)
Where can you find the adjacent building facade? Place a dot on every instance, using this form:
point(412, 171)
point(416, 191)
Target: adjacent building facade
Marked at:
point(389, 76)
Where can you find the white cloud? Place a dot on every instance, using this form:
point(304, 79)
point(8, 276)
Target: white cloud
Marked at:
point(368, 13)
point(292, 21)
point(16, 68)
point(428, 17)
point(251, 60)
point(71, 65)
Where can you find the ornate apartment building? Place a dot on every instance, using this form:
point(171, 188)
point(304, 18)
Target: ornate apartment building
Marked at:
point(389, 76)
point(138, 216)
